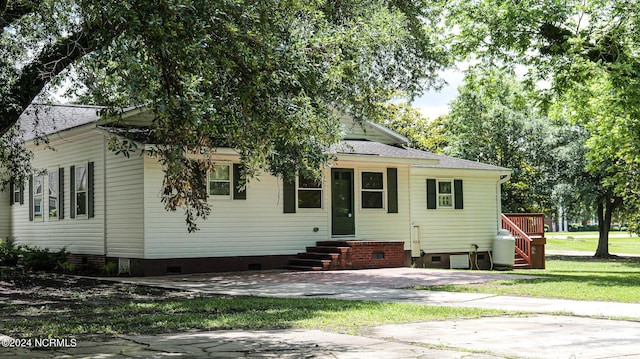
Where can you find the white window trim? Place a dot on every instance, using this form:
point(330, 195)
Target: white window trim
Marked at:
point(321, 189)
point(383, 190)
point(221, 196)
point(41, 196)
point(55, 172)
point(452, 194)
point(86, 191)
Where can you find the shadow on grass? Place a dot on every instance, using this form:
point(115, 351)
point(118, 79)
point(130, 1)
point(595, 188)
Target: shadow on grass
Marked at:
point(174, 315)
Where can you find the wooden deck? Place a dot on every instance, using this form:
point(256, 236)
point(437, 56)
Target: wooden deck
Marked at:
point(528, 231)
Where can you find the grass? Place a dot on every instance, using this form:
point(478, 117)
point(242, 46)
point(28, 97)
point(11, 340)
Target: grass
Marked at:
point(578, 278)
point(207, 313)
point(619, 242)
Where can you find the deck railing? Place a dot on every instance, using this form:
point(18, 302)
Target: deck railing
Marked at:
point(530, 223)
point(523, 241)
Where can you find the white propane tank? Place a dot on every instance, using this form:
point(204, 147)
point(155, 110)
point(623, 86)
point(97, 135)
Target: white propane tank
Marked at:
point(503, 250)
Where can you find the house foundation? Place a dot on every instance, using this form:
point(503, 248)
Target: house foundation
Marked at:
point(479, 260)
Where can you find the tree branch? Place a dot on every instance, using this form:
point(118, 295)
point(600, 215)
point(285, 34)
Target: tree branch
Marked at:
point(52, 60)
point(12, 11)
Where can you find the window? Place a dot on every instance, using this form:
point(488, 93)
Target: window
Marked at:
point(220, 181)
point(38, 191)
point(309, 193)
point(372, 190)
point(16, 193)
point(81, 189)
point(445, 194)
point(53, 195)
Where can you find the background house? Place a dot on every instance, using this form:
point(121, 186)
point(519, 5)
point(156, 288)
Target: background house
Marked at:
point(104, 206)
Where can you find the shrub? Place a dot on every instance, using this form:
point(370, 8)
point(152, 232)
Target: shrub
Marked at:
point(68, 267)
point(10, 253)
point(111, 268)
point(36, 258)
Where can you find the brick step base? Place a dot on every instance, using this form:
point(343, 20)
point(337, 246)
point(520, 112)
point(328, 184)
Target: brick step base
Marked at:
point(336, 255)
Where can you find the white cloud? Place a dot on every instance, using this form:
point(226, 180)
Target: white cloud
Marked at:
point(435, 103)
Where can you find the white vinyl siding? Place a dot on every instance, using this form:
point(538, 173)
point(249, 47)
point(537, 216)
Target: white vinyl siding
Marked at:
point(455, 230)
point(258, 225)
point(125, 205)
point(376, 224)
point(255, 226)
point(81, 237)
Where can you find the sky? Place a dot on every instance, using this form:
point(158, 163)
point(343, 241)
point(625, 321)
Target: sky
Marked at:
point(433, 104)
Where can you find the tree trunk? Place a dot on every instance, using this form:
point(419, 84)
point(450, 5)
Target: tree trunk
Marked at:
point(604, 222)
point(605, 212)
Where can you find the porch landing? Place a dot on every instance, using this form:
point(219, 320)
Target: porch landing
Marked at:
point(350, 254)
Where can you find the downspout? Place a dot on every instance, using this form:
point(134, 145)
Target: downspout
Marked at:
point(503, 178)
point(104, 193)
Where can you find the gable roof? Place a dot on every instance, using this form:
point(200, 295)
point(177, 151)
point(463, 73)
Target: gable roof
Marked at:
point(367, 140)
point(39, 119)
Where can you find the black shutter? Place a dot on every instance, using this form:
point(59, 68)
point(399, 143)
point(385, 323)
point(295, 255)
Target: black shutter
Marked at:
point(72, 192)
point(21, 194)
point(61, 193)
point(237, 192)
point(431, 194)
point(457, 192)
point(31, 197)
point(289, 194)
point(90, 191)
point(392, 190)
point(11, 192)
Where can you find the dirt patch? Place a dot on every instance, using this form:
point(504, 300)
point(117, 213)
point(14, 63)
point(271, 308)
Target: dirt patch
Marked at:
point(46, 296)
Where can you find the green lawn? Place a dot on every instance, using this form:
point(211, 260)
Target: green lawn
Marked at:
point(207, 313)
point(579, 278)
point(619, 242)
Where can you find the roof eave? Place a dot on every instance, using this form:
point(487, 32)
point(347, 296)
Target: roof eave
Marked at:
point(386, 159)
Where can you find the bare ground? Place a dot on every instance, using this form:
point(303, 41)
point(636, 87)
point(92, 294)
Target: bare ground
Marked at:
point(51, 296)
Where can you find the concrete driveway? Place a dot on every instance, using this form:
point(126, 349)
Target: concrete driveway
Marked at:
point(561, 330)
point(557, 329)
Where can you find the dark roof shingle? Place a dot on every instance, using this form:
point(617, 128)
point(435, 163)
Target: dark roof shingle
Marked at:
point(38, 120)
point(368, 148)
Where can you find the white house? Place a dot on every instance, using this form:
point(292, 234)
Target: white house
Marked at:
point(379, 194)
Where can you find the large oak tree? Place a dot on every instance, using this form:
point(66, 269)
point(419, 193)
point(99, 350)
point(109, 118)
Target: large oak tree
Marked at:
point(267, 77)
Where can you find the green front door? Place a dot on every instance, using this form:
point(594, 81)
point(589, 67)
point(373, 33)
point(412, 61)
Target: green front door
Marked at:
point(342, 218)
